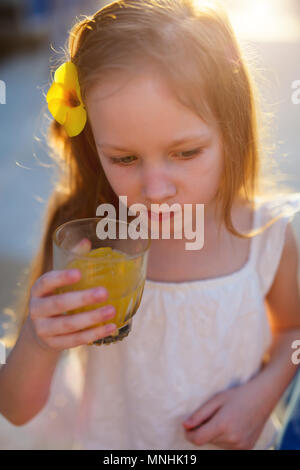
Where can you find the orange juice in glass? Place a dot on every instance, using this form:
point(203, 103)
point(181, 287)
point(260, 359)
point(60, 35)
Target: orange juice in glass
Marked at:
point(118, 264)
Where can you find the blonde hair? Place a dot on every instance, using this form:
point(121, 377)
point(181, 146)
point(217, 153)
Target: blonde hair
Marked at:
point(195, 47)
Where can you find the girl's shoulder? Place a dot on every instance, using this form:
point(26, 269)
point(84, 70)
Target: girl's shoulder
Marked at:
point(273, 214)
point(281, 205)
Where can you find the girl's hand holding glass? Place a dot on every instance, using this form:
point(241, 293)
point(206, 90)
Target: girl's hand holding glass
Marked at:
point(117, 264)
point(56, 331)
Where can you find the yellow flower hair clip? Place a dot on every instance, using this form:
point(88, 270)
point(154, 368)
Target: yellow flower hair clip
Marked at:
point(64, 100)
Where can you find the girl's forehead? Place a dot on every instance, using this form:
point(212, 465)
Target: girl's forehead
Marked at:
point(140, 98)
point(143, 113)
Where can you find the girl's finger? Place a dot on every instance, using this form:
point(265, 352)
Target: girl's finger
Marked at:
point(206, 433)
point(61, 342)
point(204, 412)
point(61, 303)
point(71, 323)
point(49, 281)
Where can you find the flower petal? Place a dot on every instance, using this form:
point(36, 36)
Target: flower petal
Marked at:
point(55, 92)
point(59, 110)
point(75, 121)
point(66, 74)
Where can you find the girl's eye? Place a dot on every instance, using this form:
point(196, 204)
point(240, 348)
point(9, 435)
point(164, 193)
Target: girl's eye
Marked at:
point(121, 160)
point(127, 161)
point(191, 153)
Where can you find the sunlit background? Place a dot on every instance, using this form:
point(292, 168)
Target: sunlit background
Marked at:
point(265, 20)
point(32, 34)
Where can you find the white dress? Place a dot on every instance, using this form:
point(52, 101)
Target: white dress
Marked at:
point(189, 341)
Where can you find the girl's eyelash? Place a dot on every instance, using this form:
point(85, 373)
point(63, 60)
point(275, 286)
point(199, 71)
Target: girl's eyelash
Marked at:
point(119, 160)
point(191, 152)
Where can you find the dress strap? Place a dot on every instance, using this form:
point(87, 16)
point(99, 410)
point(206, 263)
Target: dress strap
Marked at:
point(268, 245)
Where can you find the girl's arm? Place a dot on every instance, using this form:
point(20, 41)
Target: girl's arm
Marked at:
point(283, 308)
point(26, 377)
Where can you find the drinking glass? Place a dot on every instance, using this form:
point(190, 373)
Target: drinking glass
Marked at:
point(118, 263)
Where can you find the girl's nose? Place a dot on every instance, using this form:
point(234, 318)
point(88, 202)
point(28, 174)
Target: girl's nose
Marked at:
point(159, 190)
point(157, 186)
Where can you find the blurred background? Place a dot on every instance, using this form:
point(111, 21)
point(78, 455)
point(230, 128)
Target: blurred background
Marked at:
point(32, 35)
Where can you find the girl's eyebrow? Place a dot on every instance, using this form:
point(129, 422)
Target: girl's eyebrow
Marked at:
point(172, 144)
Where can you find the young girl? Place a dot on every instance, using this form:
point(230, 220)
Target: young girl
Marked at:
point(155, 102)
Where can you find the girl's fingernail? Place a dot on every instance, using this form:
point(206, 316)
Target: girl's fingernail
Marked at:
point(109, 312)
point(187, 428)
point(110, 327)
point(73, 273)
point(99, 292)
point(188, 422)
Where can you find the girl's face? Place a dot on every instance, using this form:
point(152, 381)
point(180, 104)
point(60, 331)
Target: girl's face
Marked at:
point(151, 147)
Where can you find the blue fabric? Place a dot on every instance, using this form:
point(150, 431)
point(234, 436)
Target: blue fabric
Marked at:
point(289, 437)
